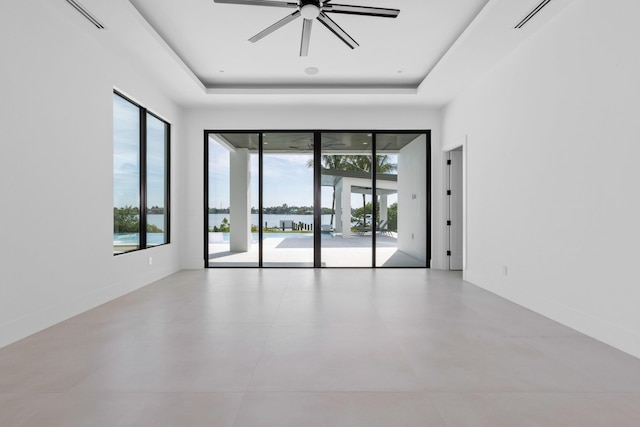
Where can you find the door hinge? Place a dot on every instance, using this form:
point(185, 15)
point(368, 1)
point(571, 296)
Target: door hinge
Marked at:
point(448, 192)
point(448, 162)
point(448, 253)
point(448, 222)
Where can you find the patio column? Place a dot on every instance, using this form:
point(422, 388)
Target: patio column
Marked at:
point(240, 233)
point(338, 207)
point(383, 208)
point(346, 209)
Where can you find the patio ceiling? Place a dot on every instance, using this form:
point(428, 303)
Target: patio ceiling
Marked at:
point(332, 142)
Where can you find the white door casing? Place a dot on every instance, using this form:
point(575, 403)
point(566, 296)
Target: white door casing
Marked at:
point(455, 218)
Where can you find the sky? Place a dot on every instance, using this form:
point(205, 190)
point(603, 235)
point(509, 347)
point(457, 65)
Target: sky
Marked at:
point(287, 179)
point(126, 157)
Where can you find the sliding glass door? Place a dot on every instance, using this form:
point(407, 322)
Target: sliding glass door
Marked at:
point(287, 200)
point(232, 182)
point(317, 199)
point(401, 200)
point(346, 198)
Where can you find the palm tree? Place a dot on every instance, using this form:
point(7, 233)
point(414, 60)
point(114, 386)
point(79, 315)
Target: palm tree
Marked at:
point(357, 163)
point(363, 163)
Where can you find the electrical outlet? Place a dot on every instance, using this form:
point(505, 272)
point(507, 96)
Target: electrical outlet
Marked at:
point(150, 260)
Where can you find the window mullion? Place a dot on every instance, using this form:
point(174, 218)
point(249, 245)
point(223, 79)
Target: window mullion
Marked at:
point(143, 178)
point(167, 183)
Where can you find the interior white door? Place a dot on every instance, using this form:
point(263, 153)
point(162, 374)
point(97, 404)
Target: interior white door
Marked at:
point(455, 210)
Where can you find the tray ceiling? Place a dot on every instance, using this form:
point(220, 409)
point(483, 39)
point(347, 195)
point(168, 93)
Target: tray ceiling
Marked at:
point(212, 40)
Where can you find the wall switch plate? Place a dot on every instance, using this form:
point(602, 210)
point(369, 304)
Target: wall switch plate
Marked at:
point(504, 270)
point(150, 260)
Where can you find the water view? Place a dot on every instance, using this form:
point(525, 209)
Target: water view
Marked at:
point(270, 220)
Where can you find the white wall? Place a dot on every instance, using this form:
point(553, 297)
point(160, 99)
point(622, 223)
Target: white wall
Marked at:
point(265, 117)
point(56, 178)
point(412, 223)
point(553, 150)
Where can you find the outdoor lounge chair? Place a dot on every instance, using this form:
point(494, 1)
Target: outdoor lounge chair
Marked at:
point(383, 228)
point(361, 230)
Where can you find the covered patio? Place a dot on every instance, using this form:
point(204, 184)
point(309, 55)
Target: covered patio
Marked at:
point(345, 183)
point(297, 251)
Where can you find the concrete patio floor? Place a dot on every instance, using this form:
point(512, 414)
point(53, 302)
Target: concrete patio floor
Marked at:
point(298, 252)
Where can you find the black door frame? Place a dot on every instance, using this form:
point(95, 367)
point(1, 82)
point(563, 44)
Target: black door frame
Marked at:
point(317, 196)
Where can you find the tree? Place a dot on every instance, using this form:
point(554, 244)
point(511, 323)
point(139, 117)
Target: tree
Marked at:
point(125, 220)
point(392, 214)
point(225, 226)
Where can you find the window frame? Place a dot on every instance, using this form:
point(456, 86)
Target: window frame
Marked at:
point(142, 184)
point(317, 153)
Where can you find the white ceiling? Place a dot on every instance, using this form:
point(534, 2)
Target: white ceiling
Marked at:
point(212, 39)
point(199, 51)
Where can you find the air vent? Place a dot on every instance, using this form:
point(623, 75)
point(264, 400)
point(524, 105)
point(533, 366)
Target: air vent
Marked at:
point(77, 6)
point(533, 13)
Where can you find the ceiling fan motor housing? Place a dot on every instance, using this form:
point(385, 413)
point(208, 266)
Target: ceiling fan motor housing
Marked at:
point(310, 9)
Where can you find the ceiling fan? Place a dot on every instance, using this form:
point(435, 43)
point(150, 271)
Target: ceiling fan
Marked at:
point(311, 10)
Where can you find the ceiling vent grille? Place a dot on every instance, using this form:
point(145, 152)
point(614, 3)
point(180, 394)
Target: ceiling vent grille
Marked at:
point(84, 12)
point(533, 13)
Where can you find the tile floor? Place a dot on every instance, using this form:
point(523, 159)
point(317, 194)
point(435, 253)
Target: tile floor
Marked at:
point(304, 347)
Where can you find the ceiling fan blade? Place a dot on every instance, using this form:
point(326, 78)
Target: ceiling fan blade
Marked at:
point(306, 37)
point(360, 10)
point(335, 29)
point(270, 29)
point(259, 3)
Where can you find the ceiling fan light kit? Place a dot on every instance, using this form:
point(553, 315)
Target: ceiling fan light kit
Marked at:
point(311, 10)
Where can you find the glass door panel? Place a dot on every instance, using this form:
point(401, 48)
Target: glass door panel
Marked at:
point(157, 181)
point(287, 200)
point(347, 220)
point(233, 200)
point(401, 226)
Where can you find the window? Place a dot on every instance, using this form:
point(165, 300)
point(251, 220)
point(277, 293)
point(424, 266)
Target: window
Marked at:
point(156, 191)
point(140, 177)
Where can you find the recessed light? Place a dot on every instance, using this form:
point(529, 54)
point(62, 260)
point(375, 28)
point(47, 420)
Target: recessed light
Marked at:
point(311, 70)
